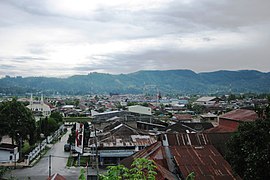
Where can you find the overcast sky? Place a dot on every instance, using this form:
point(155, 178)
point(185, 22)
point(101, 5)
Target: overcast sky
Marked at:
point(66, 37)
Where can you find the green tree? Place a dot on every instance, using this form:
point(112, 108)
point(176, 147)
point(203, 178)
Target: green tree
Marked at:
point(52, 125)
point(141, 169)
point(76, 102)
point(198, 109)
point(57, 116)
point(116, 172)
point(44, 126)
point(248, 150)
point(17, 121)
point(191, 176)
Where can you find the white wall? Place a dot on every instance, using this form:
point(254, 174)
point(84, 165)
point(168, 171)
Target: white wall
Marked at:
point(140, 109)
point(5, 156)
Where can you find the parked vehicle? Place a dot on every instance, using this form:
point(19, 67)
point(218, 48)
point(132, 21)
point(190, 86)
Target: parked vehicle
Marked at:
point(67, 147)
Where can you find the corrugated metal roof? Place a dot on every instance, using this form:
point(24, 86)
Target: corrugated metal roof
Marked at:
point(156, 153)
point(206, 98)
point(205, 162)
point(240, 115)
point(221, 129)
point(186, 139)
point(115, 153)
point(192, 153)
point(183, 116)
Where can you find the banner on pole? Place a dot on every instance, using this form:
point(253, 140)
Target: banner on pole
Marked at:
point(79, 138)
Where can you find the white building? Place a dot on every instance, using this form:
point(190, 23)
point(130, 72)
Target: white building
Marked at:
point(140, 109)
point(8, 153)
point(207, 101)
point(39, 107)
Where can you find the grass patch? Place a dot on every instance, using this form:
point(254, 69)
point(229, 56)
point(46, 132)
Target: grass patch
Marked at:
point(69, 161)
point(73, 161)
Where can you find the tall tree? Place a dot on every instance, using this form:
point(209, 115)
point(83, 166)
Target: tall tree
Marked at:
point(57, 116)
point(248, 150)
point(17, 121)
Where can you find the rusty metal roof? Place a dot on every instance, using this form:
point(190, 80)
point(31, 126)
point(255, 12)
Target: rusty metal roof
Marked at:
point(193, 152)
point(243, 115)
point(183, 117)
point(186, 139)
point(156, 153)
point(205, 161)
point(221, 129)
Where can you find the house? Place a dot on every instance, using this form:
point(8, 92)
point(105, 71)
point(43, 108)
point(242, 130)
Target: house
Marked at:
point(182, 117)
point(207, 101)
point(230, 121)
point(8, 153)
point(210, 117)
point(176, 155)
point(119, 140)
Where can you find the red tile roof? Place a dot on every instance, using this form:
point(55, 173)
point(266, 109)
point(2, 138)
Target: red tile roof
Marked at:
point(243, 115)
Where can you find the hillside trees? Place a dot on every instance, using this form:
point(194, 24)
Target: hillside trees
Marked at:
point(17, 122)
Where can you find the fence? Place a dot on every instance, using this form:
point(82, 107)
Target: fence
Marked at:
point(33, 154)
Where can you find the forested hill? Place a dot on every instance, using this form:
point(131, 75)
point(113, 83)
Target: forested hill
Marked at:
point(169, 81)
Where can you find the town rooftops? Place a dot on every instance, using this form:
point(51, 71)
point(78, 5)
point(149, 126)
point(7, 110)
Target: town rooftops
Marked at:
point(190, 152)
point(189, 127)
point(207, 98)
point(209, 115)
point(243, 115)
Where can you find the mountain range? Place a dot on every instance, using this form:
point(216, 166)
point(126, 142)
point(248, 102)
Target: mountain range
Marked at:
point(167, 81)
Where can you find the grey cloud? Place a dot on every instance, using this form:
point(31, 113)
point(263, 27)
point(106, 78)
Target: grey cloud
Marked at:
point(23, 58)
point(3, 66)
point(175, 19)
point(85, 68)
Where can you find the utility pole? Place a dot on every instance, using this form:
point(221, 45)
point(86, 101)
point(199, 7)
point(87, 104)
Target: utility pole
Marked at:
point(79, 159)
point(50, 167)
point(96, 152)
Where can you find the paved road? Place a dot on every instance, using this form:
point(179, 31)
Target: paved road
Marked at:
point(41, 169)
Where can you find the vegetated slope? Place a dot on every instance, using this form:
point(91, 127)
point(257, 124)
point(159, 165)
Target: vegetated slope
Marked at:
point(169, 81)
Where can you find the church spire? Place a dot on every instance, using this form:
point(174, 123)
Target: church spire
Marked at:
point(31, 100)
point(41, 100)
